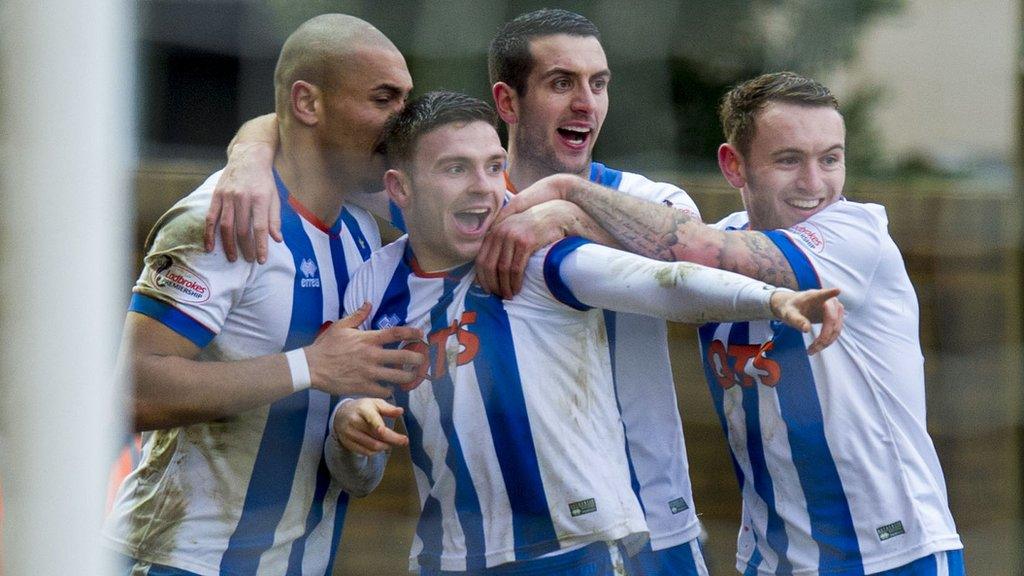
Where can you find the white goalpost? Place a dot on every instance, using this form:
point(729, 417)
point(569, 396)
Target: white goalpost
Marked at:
point(66, 154)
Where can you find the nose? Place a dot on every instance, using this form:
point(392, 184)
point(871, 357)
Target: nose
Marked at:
point(583, 99)
point(811, 178)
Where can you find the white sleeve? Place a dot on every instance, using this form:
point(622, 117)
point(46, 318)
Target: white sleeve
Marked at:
point(840, 247)
point(357, 474)
point(586, 275)
point(182, 286)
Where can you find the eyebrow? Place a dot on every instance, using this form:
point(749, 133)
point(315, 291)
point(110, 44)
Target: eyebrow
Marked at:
point(463, 158)
point(390, 88)
point(560, 70)
point(784, 151)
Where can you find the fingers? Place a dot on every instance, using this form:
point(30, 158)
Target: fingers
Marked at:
point(518, 272)
point(212, 216)
point(227, 231)
point(243, 227)
point(504, 269)
point(275, 218)
point(355, 319)
point(260, 225)
point(395, 334)
point(487, 262)
point(831, 326)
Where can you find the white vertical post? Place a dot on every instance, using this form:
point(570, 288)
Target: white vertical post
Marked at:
point(66, 154)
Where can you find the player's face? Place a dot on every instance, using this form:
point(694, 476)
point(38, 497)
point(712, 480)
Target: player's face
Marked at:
point(373, 84)
point(457, 185)
point(565, 104)
point(795, 166)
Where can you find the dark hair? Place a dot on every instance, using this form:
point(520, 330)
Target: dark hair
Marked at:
point(508, 57)
point(429, 112)
point(741, 105)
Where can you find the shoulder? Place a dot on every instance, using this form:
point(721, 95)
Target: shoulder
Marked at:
point(641, 186)
point(383, 260)
point(183, 224)
point(844, 221)
point(734, 221)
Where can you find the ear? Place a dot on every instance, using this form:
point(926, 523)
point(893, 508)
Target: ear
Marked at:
point(730, 162)
point(305, 102)
point(506, 101)
point(396, 183)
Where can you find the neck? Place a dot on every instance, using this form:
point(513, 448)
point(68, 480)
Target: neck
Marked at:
point(523, 174)
point(303, 169)
point(427, 262)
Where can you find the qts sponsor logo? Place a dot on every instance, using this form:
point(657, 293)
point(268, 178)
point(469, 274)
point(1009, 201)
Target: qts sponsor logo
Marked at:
point(453, 345)
point(743, 364)
point(179, 282)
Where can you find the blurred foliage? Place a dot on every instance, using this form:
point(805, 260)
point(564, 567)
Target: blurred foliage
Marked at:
point(671, 61)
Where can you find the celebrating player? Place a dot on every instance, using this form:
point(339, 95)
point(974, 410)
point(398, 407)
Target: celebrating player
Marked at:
point(514, 433)
point(550, 85)
point(233, 478)
point(837, 470)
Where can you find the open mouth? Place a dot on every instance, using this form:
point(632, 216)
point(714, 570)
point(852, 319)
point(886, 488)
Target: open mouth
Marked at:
point(574, 135)
point(472, 220)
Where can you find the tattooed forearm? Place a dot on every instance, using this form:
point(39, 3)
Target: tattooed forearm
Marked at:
point(753, 254)
point(664, 233)
point(639, 226)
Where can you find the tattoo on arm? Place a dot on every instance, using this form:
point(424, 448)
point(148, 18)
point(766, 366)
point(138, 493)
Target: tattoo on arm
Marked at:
point(664, 233)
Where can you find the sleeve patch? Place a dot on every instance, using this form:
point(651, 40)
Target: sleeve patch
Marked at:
point(809, 236)
point(178, 281)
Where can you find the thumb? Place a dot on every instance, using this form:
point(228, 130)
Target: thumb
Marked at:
point(355, 319)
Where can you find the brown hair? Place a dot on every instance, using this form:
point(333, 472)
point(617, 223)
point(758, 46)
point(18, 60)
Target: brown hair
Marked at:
point(741, 105)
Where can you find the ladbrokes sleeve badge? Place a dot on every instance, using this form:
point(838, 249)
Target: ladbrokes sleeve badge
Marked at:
point(179, 282)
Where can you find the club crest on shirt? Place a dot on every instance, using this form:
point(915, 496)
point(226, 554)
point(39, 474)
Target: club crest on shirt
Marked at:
point(178, 281)
point(809, 236)
point(310, 278)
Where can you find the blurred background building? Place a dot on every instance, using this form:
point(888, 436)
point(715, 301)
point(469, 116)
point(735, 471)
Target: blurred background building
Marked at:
point(931, 93)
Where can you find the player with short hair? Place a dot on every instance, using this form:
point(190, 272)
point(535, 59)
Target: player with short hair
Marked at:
point(514, 432)
point(550, 84)
point(835, 464)
point(230, 375)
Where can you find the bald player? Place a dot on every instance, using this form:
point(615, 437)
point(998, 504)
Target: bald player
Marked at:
point(231, 379)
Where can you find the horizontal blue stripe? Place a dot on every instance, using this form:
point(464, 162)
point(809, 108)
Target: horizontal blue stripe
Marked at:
point(552, 271)
point(173, 318)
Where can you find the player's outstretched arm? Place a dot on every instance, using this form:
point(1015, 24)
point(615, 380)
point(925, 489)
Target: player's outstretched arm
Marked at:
point(245, 207)
point(173, 388)
point(603, 277)
point(507, 248)
point(662, 232)
point(361, 438)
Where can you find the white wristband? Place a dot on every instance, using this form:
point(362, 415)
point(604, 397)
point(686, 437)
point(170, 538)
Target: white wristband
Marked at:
point(299, 368)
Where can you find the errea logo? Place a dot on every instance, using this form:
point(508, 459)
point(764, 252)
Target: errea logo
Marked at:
point(308, 269)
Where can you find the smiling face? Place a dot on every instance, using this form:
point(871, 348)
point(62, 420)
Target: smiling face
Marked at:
point(795, 166)
point(566, 101)
point(451, 192)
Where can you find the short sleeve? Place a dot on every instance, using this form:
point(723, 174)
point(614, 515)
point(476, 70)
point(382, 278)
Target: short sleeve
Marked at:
point(181, 285)
point(840, 246)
